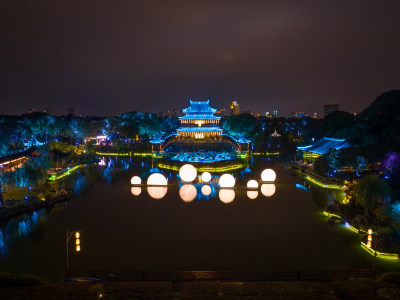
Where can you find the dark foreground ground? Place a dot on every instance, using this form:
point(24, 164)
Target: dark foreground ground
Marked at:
point(362, 289)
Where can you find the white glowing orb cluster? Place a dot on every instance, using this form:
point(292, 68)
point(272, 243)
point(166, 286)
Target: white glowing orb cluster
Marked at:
point(188, 192)
point(227, 181)
point(268, 175)
point(187, 173)
point(136, 180)
point(157, 179)
point(206, 177)
point(252, 184)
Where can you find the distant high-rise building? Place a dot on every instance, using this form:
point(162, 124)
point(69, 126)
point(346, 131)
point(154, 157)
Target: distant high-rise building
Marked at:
point(315, 116)
point(221, 112)
point(71, 111)
point(235, 108)
point(328, 108)
point(297, 115)
point(275, 113)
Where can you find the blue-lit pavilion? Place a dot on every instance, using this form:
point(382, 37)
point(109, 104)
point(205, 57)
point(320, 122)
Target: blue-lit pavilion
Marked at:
point(324, 145)
point(199, 122)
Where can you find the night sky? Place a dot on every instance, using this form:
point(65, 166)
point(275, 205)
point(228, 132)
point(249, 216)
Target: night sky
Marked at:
point(109, 57)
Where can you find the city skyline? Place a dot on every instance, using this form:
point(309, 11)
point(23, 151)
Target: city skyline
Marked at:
point(104, 58)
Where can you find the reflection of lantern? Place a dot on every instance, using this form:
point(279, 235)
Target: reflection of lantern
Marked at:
point(136, 180)
point(252, 194)
point(370, 231)
point(226, 196)
point(187, 192)
point(187, 173)
point(268, 175)
point(206, 190)
point(252, 184)
point(206, 177)
point(227, 181)
point(157, 179)
point(157, 192)
point(136, 190)
point(369, 244)
point(369, 238)
point(268, 189)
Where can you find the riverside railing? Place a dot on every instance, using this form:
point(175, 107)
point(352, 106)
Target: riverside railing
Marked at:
point(263, 275)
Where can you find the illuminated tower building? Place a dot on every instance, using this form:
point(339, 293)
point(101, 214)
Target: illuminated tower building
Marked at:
point(199, 121)
point(235, 108)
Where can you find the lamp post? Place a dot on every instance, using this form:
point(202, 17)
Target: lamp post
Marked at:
point(369, 243)
point(69, 235)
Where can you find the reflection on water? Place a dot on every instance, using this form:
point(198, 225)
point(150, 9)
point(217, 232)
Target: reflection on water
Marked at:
point(268, 189)
point(206, 190)
point(226, 196)
point(18, 229)
point(252, 194)
point(188, 192)
point(136, 190)
point(157, 192)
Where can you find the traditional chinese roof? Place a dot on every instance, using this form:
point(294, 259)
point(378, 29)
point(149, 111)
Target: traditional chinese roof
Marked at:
point(243, 140)
point(275, 134)
point(157, 140)
point(199, 110)
point(324, 145)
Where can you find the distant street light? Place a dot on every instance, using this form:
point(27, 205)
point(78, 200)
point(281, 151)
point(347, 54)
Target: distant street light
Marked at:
point(77, 243)
point(369, 244)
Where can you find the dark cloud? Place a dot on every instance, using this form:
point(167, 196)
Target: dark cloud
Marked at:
point(107, 57)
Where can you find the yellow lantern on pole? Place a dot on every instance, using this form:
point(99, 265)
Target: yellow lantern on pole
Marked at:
point(77, 235)
point(78, 241)
point(78, 248)
point(370, 231)
point(369, 238)
point(369, 244)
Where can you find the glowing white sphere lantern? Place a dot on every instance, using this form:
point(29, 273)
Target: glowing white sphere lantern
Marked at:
point(187, 173)
point(268, 175)
point(157, 192)
point(187, 192)
point(157, 179)
point(268, 189)
point(226, 196)
point(136, 180)
point(252, 194)
point(206, 190)
point(135, 190)
point(226, 181)
point(206, 177)
point(252, 184)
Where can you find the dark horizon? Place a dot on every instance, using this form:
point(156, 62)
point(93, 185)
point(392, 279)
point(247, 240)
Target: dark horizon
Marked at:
point(105, 59)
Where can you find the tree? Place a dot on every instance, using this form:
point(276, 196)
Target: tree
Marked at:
point(360, 164)
point(369, 191)
point(321, 165)
point(240, 124)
